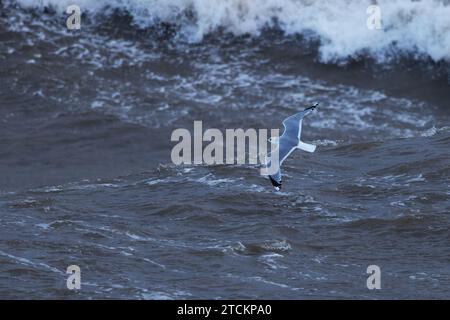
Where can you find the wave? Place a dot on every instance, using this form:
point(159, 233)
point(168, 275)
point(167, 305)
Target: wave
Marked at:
point(418, 28)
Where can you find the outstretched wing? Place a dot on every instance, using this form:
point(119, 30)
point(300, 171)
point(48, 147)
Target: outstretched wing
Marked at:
point(275, 177)
point(293, 125)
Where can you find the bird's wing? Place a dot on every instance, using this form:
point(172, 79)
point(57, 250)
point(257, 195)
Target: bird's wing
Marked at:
point(273, 164)
point(273, 169)
point(276, 180)
point(287, 145)
point(293, 124)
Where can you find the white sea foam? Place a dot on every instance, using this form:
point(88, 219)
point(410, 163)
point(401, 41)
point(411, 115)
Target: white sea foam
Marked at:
point(418, 27)
point(29, 263)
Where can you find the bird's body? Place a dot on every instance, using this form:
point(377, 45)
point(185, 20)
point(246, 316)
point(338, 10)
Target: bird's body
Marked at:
point(287, 143)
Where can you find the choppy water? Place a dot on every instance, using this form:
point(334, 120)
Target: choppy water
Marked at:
point(86, 176)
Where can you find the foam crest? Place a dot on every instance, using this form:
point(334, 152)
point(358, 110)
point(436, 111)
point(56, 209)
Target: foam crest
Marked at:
point(417, 28)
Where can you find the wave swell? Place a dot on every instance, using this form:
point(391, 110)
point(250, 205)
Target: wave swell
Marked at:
point(419, 29)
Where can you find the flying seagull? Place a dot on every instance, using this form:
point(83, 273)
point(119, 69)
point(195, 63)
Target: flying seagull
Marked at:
point(288, 142)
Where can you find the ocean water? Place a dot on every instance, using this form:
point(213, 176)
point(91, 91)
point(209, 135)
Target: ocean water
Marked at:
point(86, 176)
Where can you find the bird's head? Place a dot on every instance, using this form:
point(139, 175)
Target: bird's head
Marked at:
point(273, 139)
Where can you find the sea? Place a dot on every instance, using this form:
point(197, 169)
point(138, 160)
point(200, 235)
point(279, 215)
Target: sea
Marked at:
point(87, 179)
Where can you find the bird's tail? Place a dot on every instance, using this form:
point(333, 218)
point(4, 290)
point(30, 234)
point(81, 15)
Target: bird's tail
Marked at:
point(306, 146)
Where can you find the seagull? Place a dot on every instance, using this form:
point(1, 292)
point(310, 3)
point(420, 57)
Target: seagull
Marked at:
point(287, 143)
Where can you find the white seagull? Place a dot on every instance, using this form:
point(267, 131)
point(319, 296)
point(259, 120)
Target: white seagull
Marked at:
point(288, 142)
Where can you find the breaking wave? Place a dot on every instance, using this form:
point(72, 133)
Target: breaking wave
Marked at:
point(418, 29)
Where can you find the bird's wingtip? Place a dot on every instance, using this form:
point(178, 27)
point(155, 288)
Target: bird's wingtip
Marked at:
point(276, 184)
point(313, 106)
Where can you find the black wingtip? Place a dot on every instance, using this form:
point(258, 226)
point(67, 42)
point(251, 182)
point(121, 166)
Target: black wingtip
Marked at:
point(275, 183)
point(312, 107)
